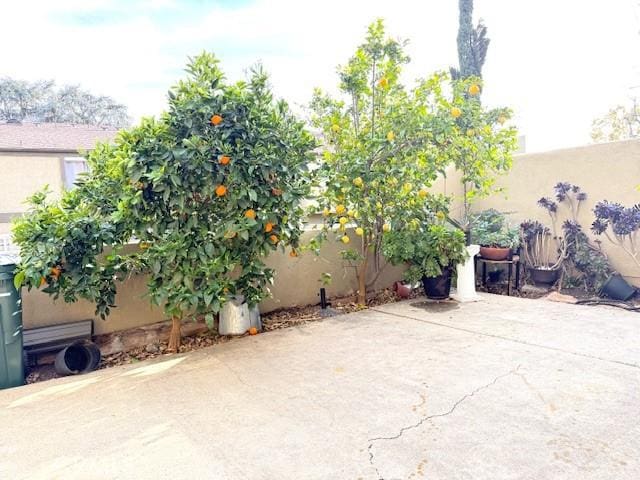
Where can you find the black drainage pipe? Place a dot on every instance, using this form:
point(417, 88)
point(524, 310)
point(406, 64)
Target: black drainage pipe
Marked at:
point(79, 357)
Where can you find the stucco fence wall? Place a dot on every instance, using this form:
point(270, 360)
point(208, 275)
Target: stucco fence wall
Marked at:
point(606, 171)
point(609, 171)
point(296, 283)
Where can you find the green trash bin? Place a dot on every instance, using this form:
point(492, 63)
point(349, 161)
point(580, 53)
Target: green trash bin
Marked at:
point(11, 356)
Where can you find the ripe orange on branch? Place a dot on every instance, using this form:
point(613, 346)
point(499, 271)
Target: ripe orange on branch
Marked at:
point(251, 213)
point(221, 190)
point(268, 227)
point(224, 160)
point(216, 120)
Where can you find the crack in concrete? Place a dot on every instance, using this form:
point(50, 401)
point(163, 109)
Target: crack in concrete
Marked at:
point(430, 417)
point(508, 339)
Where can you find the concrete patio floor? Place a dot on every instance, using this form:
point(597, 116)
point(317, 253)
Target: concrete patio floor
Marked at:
point(502, 389)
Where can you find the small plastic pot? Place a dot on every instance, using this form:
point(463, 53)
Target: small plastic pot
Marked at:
point(403, 290)
point(494, 276)
point(617, 288)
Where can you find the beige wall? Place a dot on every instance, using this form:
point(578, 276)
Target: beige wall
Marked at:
point(25, 173)
point(296, 283)
point(609, 171)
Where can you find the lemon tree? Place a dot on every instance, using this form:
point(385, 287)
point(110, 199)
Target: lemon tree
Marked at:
point(480, 143)
point(380, 150)
point(208, 189)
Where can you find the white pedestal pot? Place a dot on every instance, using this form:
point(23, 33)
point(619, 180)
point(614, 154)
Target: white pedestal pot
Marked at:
point(466, 286)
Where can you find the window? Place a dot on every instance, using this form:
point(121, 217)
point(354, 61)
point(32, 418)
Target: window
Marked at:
point(73, 167)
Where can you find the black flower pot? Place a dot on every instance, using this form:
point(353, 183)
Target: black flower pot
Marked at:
point(543, 276)
point(617, 288)
point(437, 288)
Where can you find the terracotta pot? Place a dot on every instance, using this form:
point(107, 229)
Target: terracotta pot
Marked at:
point(402, 289)
point(495, 253)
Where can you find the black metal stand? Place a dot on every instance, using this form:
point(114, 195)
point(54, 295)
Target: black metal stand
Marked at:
point(512, 264)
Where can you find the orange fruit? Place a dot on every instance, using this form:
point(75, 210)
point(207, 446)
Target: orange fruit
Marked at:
point(474, 89)
point(293, 253)
point(253, 331)
point(43, 281)
point(345, 239)
point(56, 271)
point(383, 82)
point(340, 209)
point(216, 119)
point(251, 213)
point(273, 238)
point(276, 191)
point(391, 136)
point(224, 159)
point(456, 112)
point(268, 227)
point(221, 190)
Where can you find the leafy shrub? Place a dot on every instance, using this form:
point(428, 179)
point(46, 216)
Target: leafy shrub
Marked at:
point(425, 243)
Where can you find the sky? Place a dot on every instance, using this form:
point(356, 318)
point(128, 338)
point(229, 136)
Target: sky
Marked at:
point(557, 63)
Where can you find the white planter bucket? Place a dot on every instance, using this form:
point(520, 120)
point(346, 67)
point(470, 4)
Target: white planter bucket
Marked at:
point(236, 318)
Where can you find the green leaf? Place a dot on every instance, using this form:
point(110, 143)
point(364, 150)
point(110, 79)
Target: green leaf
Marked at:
point(18, 280)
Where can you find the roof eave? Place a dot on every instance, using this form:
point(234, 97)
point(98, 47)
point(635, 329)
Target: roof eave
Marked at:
point(43, 150)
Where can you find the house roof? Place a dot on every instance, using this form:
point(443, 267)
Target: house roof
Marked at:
point(52, 137)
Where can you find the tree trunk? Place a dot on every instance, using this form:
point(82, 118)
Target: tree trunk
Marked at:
point(362, 280)
point(175, 335)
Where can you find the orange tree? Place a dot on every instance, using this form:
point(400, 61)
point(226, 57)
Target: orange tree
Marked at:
point(381, 150)
point(209, 189)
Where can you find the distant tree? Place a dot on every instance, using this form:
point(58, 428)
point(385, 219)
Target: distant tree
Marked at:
point(472, 44)
point(40, 101)
point(618, 124)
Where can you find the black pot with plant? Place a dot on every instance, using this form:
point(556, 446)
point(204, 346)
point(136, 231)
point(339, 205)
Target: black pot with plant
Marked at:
point(431, 249)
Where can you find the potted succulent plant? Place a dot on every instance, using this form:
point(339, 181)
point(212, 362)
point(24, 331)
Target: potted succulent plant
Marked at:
point(620, 225)
point(431, 250)
point(543, 251)
point(496, 237)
